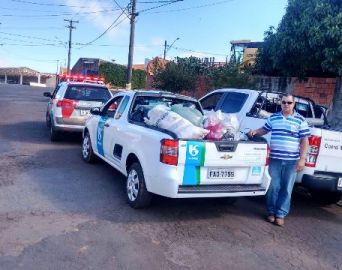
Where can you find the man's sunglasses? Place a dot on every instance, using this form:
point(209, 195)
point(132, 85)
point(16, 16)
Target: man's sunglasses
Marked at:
point(286, 102)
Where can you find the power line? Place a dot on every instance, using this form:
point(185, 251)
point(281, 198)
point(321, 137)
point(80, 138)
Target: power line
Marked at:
point(113, 25)
point(29, 37)
point(46, 4)
point(60, 14)
point(189, 50)
point(190, 8)
point(124, 10)
point(162, 5)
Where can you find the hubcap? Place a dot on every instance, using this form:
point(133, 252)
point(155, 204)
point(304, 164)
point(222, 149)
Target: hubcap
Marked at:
point(86, 147)
point(132, 185)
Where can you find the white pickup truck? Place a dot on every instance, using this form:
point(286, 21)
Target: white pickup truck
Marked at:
point(155, 160)
point(322, 174)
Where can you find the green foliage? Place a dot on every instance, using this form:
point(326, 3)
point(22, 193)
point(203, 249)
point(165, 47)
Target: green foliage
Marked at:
point(138, 79)
point(179, 75)
point(230, 76)
point(184, 74)
point(307, 42)
point(116, 75)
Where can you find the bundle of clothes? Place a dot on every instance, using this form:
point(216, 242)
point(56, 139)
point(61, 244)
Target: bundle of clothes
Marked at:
point(188, 123)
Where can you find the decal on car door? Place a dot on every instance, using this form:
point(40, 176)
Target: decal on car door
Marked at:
point(99, 135)
point(194, 160)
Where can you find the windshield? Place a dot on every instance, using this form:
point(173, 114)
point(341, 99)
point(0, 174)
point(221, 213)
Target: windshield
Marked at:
point(233, 102)
point(88, 93)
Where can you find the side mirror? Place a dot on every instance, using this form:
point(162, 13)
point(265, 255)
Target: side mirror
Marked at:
point(95, 111)
point(47, 94)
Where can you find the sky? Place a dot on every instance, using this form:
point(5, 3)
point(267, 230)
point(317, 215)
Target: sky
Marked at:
point(33, 33)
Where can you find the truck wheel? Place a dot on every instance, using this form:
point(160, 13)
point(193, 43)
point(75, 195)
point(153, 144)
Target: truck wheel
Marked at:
point(87, 150)
point(325, 198)
point(137, 194)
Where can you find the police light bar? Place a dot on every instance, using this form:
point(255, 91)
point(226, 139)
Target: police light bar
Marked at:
point(80, 78)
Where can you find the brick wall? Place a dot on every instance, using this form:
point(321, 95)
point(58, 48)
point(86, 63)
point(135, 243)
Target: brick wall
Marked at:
point(320, 90)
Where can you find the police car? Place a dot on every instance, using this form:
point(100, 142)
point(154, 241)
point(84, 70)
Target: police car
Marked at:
point(70, 103)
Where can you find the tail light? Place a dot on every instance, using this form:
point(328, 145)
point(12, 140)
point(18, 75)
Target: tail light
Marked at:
point(169, 151)
point(268, 156)
point(67, 105)
point(311, 157)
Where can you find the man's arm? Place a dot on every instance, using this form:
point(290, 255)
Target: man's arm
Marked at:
point(257, 132)
point(303, 148)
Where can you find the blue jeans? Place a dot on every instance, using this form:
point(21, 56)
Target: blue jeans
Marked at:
point(278, 198)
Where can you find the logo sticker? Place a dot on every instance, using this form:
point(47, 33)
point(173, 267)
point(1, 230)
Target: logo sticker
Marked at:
point(195, 154)
point(256, 170)
point(99, 135)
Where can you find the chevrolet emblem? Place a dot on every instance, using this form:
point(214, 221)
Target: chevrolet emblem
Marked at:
point(226, 156)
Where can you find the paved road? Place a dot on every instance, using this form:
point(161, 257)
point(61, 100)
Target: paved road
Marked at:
point(57, 212)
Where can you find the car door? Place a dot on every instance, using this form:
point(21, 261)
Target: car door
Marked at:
point(102, 132)
point(117, 137)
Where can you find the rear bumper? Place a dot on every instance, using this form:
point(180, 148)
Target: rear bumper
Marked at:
point(322, 181)
point(170, 185)
point(72, 125)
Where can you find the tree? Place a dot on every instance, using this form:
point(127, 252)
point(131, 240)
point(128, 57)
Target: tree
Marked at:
point(116, 75)
point(307, 42)
point(179, 75)
point(184, 74)
point(230, 76)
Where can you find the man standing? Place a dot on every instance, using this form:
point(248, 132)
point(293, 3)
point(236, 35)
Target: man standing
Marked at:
point(289, 144)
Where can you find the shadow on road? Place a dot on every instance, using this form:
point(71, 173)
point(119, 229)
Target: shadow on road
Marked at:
point(72, 185)
point(34, 132)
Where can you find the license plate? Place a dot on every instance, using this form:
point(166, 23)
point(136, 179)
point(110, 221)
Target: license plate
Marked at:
point(339, 183)
point(220, 173)
point(84, 112)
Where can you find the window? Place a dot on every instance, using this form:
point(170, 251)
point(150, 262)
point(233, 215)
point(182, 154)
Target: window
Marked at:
point(233, 102)
point(303, 109)
point(88, 93)
point(122, 107)
point(210, 102)
point(142, 104)
point(112, 107)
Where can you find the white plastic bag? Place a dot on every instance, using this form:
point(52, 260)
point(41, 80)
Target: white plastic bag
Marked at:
point(161, 116)
point(221, 125)
point(189, 113)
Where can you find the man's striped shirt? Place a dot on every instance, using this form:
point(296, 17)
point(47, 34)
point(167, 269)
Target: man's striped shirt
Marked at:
point(286, 135)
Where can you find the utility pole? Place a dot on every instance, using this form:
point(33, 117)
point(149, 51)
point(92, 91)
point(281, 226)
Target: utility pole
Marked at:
point(165, 46)
point(168, 47)
point(131, 46)
point(70, 26)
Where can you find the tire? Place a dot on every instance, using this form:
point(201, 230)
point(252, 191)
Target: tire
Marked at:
point(48, 120)
point(87, 150)
point(137, 194)
point(325, 198)
point(54, 134)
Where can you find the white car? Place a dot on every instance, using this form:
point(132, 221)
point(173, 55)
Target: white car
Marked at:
point(156, 161)
point(70, 104)
point(322, 174)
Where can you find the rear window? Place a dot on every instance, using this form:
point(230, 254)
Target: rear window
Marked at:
point(143, 104)
point(233, 102)
point(85, 92)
